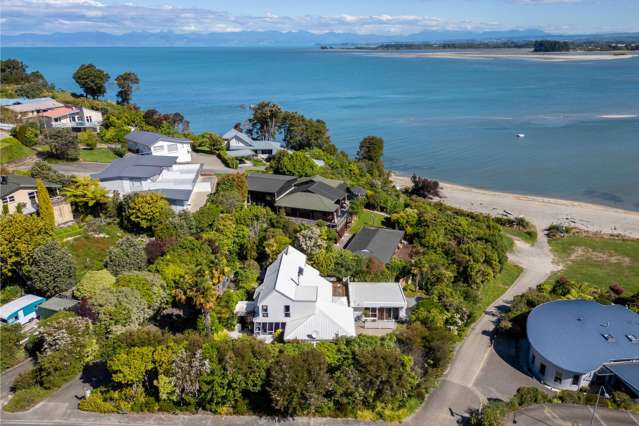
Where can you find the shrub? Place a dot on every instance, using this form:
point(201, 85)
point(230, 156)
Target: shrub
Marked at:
point(42, 169)
point(126, 255)
point(10, 293)
point(140, 211)
point(617, 289)
point(24, 380)
point(155, 248)
point(151, 287)
point(96, 403)
point(28, 134)
point(89, 139)
point(25, 399)
point(63, 144)
point(92, 283)
point(51, 269)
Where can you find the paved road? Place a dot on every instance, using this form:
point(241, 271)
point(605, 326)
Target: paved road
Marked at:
point(7, 378)
point(571, 415)
point(477, 371)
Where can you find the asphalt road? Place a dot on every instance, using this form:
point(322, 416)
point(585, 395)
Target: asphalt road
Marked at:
point(571, 415)
point(476, 372)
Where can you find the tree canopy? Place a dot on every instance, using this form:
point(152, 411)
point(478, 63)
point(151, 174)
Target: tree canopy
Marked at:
point(92, 80)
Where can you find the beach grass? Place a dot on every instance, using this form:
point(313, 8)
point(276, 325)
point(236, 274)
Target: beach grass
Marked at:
point(529, 235)
point(367, 218)
point(97, 155)
point(493, 289)
point(598, 261)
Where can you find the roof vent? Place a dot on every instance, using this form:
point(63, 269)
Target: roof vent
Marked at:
point(609, 337)
point(580, 319)
point(605, 324)
point(633, 338)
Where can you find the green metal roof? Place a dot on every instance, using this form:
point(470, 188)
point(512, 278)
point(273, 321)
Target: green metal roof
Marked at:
point(307, 201)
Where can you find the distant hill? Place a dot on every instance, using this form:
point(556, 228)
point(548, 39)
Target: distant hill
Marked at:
point(276, 38)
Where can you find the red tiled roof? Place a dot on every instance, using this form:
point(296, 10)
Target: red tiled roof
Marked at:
point(57, 112)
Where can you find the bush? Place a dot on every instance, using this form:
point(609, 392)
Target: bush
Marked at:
point(141, 211)
point(28, 134)
point(63, 144)
point(89, 139)
point(24, 380)
point(126, 255)
point(96, 404)
point(151, 287)
point(41, 169)
point(51, 269)
point(25, 399)
point(9, 293)
point(92, 283)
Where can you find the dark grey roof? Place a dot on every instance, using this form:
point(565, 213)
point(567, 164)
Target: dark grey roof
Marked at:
point(262, 182)
point(319, 187)
point(378, 242)
point(357, 191)
point(628, 372)
point(136, 166)
point(12, 183)
point(581, 335)
point(150, 138)
point(173, 194)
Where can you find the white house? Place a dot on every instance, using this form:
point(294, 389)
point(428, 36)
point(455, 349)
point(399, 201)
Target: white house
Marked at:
point(296, 299)
point(377, 305)
point(149, 143)
point(71, 117)
point(181, 184)
point(240, 144)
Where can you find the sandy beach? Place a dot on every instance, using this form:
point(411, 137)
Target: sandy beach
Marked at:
point(541, 211)
point(522, 56)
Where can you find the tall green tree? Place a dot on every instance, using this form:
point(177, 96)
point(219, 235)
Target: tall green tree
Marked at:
point(127, 82)
point(45, 207)
point(293, 164)
point(301, 133)
point(371, 150)
point(200, 287)
point(92, 80)
point(141, 211)
point(63, 144)
point(266, 119)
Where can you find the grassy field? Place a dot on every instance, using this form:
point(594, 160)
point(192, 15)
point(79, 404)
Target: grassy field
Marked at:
point(495, 288)
point(599, 261)
point(89, 250)
point(11, 150)
point(367, 218)
point(98, 155)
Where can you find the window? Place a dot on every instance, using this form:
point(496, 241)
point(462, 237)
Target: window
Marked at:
point(532, 360)
point(158, 148)
point(287, 311)
point(33, 195)
point(265, 311)
point(542, 369)
point(558, 377)
point(575, 379)
point(8, 199)
point(172, 148)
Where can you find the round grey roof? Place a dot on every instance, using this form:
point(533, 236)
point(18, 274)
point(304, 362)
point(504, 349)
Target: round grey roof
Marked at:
point(581, 335)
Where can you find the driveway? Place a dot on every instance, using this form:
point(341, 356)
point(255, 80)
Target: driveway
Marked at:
point(7, 378)
point(477, 372)
point(569, 415)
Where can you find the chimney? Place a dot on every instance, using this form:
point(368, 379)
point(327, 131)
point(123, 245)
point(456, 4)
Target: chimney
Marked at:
point(3, 180)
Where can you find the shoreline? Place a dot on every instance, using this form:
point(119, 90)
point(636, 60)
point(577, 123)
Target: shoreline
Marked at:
point(542, 211)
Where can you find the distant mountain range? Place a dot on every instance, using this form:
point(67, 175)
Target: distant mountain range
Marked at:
point(276, 38)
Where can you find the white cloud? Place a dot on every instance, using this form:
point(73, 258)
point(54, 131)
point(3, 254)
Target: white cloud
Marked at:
point(47, 16)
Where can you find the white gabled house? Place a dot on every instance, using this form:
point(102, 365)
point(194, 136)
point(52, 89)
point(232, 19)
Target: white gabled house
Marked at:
point(75, 118)
point(181, 184)
point(149, 143)
point(296, 299)
point(240, 144)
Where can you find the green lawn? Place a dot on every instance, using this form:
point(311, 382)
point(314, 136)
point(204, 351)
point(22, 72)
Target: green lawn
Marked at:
point(12, 150)
point(98, 155)
point(90, 251)
point(68, 231)
point(599, 261)
point(495, 288)
point(367, 218)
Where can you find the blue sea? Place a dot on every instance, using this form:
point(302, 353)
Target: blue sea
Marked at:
point(448, 119)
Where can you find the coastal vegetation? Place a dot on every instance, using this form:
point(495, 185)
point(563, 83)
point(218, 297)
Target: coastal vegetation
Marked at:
point(12, 150)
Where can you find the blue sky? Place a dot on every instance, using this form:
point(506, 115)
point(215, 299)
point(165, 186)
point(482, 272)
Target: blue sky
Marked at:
point(358, 16)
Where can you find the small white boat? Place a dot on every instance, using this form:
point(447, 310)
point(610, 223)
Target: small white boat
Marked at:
point(520, 135)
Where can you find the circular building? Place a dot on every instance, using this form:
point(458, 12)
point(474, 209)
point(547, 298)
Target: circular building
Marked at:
point(572, 340)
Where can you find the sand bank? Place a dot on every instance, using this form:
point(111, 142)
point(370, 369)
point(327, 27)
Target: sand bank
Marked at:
point(529, 56)
point(541, 211)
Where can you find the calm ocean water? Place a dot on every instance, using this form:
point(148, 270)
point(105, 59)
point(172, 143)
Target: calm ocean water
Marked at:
point(453, 120)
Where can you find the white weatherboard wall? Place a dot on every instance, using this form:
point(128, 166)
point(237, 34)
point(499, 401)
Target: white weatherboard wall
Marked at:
point(172, 149)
